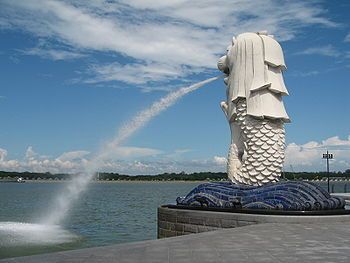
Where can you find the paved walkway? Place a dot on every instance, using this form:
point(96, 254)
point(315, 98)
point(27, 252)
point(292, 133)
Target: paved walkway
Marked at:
point(255, 243)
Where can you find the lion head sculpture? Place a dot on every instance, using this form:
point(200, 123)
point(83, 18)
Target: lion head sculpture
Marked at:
point(254, 64)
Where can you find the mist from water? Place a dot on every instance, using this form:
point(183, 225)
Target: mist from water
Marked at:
point(21, 234)
point(74, 188)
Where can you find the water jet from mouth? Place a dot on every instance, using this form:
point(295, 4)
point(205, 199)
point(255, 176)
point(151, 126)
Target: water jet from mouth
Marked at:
point(71, 193)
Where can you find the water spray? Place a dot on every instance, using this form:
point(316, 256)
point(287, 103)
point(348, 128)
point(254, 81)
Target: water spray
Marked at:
point(65, 199)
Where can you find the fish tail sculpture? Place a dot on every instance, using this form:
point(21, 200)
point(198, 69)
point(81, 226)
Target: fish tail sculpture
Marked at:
point(254, 108)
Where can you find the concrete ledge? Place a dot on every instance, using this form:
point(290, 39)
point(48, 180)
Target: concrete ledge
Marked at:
point(176, 222)
point(285, 243)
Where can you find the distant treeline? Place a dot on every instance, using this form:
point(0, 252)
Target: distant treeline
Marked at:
point(34, 176)
point(202, 176)
point(165, 177)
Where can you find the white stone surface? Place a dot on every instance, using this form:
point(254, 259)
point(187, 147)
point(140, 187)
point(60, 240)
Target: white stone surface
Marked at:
point(254, 108)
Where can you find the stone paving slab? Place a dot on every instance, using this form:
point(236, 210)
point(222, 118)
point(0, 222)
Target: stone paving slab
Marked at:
point(254, 243)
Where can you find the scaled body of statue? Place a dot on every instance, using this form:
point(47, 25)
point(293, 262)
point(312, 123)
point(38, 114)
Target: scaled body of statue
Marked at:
point(254, 108)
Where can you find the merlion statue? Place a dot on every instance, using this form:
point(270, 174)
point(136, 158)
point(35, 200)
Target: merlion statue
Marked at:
point(254, 108)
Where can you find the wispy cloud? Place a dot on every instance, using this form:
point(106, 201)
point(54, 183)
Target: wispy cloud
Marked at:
point(328, 51)
point(347, 38)
point(347, 54)
point(53, 54)
point(304, 74)
point(127, 152)
point(167, 35)
point(74, 155)
point(178, 153)
point(52, 50)
point(134, 73)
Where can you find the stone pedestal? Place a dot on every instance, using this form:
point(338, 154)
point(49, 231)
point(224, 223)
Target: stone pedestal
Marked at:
point(178, 222)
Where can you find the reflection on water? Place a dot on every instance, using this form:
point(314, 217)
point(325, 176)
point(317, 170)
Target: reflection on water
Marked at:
point(108, 213)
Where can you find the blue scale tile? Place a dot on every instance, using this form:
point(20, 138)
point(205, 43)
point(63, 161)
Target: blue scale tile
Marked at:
point(290, 195)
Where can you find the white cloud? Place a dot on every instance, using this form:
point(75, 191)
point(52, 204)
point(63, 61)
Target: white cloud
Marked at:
point(308, 157)
point(336, 142)
point(219, 160)
point(69, 162)
point(212, 14)
point(347, 38)
point(127, 160)
point(74, 161)
point(328, 51)
point(10, 165)
point(134, 73)
point(76, 27)
point(137, 160)
point(162, 35)
point(30, 154)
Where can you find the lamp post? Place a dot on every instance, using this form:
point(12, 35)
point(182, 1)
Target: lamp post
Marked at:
point(327, 156)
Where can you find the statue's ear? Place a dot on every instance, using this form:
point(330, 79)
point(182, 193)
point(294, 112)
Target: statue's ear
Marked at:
point(264, 32)
point(233, 40)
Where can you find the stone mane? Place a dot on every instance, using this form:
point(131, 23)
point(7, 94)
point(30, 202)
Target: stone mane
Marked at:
point(254, 108)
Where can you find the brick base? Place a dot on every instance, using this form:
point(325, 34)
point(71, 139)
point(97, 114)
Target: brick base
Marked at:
point(177, 222)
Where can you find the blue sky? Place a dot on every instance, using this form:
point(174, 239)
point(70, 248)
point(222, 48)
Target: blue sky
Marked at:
point(72, 72)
